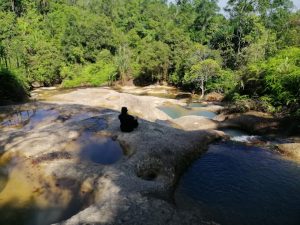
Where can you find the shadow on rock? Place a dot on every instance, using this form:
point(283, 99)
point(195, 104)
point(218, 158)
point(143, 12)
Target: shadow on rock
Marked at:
point(137, 189)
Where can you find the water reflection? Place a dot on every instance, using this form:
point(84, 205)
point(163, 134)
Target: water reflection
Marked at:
point(98, 149)
point(29, 118)
point(235, 184)
point(18, 118)
point(31, 198)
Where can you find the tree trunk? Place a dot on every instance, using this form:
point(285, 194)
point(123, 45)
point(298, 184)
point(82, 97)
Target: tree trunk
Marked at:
point(5, 60)
point(202, 88)
point(122, 78)
point(13, 7)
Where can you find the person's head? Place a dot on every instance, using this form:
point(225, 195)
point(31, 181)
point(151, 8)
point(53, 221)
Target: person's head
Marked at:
point(124, 110)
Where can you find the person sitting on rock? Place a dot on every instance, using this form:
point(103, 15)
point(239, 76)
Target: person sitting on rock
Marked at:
point(128, 122)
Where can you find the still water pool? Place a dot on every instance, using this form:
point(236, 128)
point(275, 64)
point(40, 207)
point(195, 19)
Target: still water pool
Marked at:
point(99, 149)
point(235, 184)
point(176, 111)
point(28, 196)
point(29, 119)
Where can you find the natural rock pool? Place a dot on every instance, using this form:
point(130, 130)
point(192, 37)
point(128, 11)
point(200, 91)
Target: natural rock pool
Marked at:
point(98, 149)
point(29, 118)
point(28, 194)
point(176, 111)
point(61, 160)
point(235, 184)
point(28, 197)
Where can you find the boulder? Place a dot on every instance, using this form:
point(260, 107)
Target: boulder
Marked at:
point(261, 123)
point(36, 84)
point(214, 97)
point(137, 189)
point(290, 149)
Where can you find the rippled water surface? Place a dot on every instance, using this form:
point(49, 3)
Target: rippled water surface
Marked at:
point(234, 184)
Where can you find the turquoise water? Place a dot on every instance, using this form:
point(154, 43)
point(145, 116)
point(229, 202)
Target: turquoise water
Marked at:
point(175, 111)
point(234, 184)
point(196, 104)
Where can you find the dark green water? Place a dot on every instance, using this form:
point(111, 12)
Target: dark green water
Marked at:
point(235, 184)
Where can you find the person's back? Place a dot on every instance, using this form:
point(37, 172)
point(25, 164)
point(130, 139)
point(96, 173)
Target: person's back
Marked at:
point(128, 122)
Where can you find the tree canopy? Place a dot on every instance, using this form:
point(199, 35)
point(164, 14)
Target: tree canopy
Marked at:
point(88, 43)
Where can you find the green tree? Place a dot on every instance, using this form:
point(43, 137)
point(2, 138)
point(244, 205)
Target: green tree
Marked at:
point(153, 57)
point(123, 61)
point(201, 72)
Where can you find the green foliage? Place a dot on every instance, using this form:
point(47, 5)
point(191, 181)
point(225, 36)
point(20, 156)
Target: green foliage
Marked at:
point(153, 58)
point(224, 83)
point(122, 60)
point(277, 79)
point(282, 76)
point(45, 64)
point(94, 74)
point(254, 51)
point(204, 66)
point(12, 86)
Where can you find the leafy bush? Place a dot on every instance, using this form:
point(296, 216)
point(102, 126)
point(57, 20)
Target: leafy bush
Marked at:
point(277, 80)
point(224, 83)
point(13, 87)
point(94, 74)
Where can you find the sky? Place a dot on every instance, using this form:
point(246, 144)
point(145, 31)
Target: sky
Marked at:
point(222, 3)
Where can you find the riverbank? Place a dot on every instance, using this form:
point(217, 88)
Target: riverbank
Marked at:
point(133, 190)
point(51, 135)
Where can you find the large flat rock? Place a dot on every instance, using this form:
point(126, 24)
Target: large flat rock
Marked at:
point(138, 188)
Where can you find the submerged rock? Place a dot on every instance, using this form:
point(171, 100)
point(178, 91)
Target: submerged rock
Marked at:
point(290, 149)
point(214, 96)
point(261, 123)
point(195, 123)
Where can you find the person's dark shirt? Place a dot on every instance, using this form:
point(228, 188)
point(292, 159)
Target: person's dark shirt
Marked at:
point(128, 122)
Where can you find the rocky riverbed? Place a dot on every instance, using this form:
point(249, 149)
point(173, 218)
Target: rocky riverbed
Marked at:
point(55, 142)
point(136, 188)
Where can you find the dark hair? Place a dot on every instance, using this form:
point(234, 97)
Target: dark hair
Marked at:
point(124, 110)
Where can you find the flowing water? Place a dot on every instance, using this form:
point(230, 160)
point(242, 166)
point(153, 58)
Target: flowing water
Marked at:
point(234, 184)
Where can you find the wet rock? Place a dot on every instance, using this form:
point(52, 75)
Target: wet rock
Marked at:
point(290, 149)
point(36, 84)
point(183, 95)
point(136, 189)
point(261, 123)
point(195, 123)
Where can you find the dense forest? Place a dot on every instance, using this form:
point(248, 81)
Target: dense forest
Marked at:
point(252, 51)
